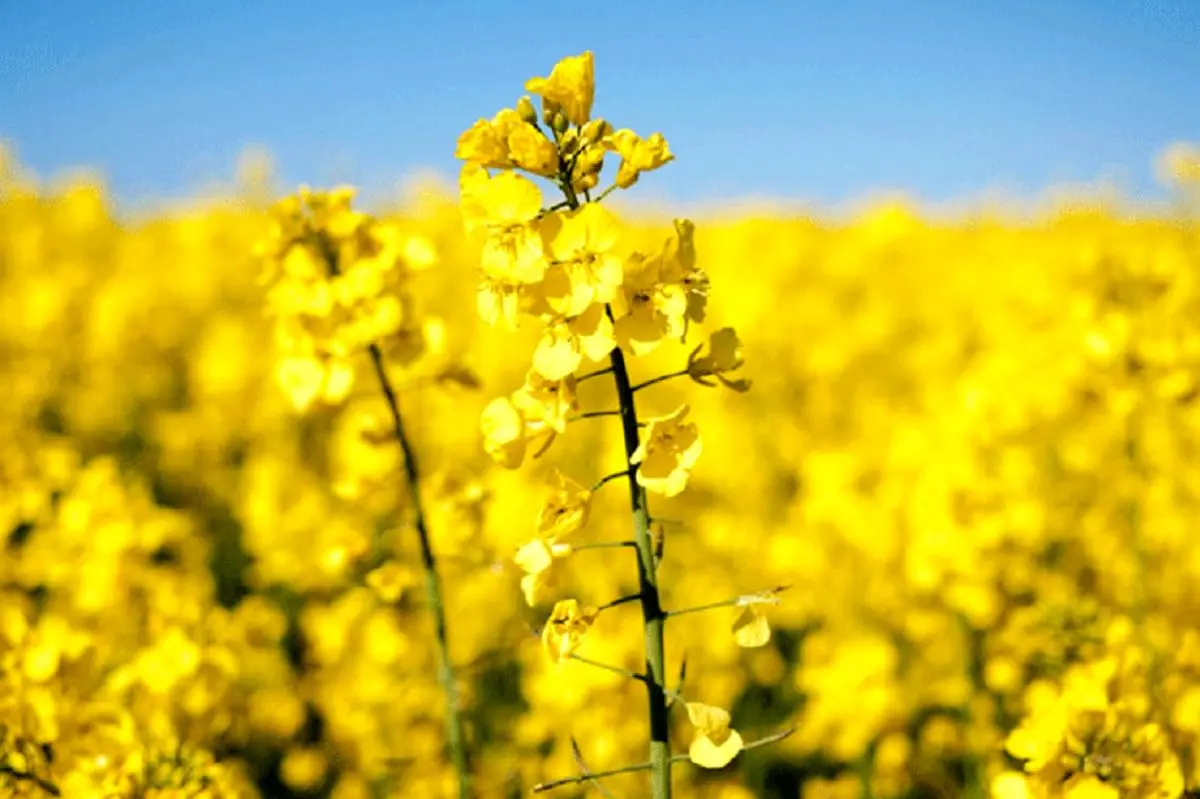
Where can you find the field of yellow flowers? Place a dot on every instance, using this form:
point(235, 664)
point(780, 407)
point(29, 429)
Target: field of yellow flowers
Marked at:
point(939, 530)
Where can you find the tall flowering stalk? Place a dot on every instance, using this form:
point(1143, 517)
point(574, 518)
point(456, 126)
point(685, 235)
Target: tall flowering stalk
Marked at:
point(564, 267)
point(337, 290)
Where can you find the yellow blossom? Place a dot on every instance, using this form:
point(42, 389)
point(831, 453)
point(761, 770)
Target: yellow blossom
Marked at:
point(669, 449)
point(637, 155)
point(571, 86)
point(715, 744)
point(566, 628)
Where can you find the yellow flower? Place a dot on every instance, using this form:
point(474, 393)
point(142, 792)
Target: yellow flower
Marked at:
point(667, 453)
point(486, 143)
point(536, 558)
point(546, 401)
point(661, 294)
point(565, 342)
point(585, 269)
point(566, 628)
point(637, 155)
point(503, 430)
point(571, 85)
point(725, 355)
point(715, 744)
point(566, 508)
point(532, 151)
point(506, 207)
point(751, 628)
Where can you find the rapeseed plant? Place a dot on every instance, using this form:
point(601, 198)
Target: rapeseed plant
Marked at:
point(565, 267)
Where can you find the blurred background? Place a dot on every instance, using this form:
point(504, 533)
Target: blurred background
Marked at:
point(960, 246)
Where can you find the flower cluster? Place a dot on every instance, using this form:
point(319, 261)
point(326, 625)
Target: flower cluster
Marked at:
point(567, 267)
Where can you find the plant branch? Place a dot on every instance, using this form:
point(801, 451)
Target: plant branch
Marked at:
point(728, 603)
point(606, 478)
point(587, 772)
point(455, 740)
point(660, 379)
point(619, 601)
point(590, 375)
point(604, 545)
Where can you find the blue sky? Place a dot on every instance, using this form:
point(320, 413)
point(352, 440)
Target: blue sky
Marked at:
point(817, 101)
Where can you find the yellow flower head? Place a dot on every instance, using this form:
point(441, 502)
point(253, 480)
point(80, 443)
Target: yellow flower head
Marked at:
point(667, 453)
point(503, 429)
point(486, 143)
point(548, 401)
point(637, 155)
point(571, 85)
point(751, 628)
point(536, 558)
point(566, 508)
point(565, 342)
point(507, 207)
point(715, 744)
point(565, 629)
point(724, 355)
point(586, 269)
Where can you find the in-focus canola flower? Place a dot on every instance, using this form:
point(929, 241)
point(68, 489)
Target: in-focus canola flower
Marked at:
point(716, 743)
point(667, 453)
point(565, 629)
point(594, 298)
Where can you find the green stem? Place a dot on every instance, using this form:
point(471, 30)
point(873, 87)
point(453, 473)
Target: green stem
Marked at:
point(433, 588)
point(652, 613)
point(633, 675)
point(660, 379)
point(728, 603)
point(592, 415)
point(608, 477)
point(603, 545)
point(590, 375)
point(621, 600)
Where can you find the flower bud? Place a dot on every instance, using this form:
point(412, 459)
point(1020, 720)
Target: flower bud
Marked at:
point(526, 110)
point(561, 124)
point(549, 109)
point(595, 130)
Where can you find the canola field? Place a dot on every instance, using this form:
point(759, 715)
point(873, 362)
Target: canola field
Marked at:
point(924, 525)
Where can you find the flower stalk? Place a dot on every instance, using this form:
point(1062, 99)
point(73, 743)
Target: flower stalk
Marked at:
point(455, 740)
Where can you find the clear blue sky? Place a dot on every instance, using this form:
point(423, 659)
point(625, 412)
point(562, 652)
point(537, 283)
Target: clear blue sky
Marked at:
point(822, 101)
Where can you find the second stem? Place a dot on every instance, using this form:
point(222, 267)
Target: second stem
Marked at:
point(455, 740)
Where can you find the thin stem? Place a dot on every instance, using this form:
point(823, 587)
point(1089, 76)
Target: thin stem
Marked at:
point(584, 771)
point(652, 613)
point(633, 675)
point(600, 197)
point(592, 415)
point(661, 378)
point(607, 478)
point(619, 601)
point(595, 775)
point(433, 588)
point(590, 375)
point(604, 545)
point(727, 603)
